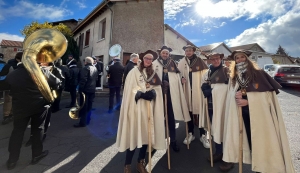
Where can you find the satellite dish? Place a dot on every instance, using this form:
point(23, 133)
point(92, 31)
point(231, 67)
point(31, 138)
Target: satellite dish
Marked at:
point(115, 50)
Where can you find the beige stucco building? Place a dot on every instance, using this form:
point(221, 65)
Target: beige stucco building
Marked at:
point(10, 48)
point(135, 25)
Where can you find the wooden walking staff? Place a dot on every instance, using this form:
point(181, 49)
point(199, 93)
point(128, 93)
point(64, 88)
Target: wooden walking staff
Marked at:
point(240, 140)
point(186, 126)
point(167, 128)
point(209, 131)
point(149, 137)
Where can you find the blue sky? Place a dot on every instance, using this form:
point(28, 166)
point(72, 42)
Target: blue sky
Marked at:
point(235, 22)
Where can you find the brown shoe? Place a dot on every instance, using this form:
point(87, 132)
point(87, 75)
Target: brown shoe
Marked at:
point(141, 166)
point(225, 166)
point(216, 158)
point(127, 169)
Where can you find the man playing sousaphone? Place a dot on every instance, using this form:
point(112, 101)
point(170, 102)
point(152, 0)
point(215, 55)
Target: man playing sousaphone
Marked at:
point(171, 83)
point(141, 120)
point(192, 69)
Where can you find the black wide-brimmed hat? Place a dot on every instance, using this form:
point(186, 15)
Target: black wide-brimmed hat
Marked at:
point(154, 54)
point(189, 46)
point(234, 53)
point(164, 47)
point(214, 54)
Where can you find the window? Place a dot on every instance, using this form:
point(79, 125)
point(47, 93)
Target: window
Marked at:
point(102, 27)
point(80, 43)
point(253, 57)
point(259, 56)
point(87, 38)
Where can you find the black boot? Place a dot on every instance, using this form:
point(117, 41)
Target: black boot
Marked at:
point(175, 146)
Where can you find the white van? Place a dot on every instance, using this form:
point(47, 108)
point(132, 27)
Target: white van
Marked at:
point(261, 62)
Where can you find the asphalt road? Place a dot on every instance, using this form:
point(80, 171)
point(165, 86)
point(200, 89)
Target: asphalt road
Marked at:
point(92, 149)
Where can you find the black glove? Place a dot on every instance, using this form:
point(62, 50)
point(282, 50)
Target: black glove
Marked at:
point(165, 86)
point(138, 96)
point(206, 89)
point(149, 95)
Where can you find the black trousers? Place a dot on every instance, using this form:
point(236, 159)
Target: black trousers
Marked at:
point(55, 105)
point(37, 130)
point(219, 147)
point(112, 91)
point(73, 94)
point(246, 118)
point(85, 112)
point(129, 154)
point(98, 82)
point(191, 126)
point(171, 118)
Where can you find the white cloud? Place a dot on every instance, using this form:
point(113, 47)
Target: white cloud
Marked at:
point(81, 4)
point(173, 7)
point(283, 31)
point(34, 11)
point(191, 22)
point(233, 9)
point(7, 36)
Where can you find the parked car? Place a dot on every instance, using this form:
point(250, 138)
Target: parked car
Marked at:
point(285, 74)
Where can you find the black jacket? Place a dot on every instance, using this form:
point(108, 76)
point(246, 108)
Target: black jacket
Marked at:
point(4, 70)
point(115, 74)
point(66, 74)
point(99, 67)
point(13, 63)
point(88, 77)
point(129, 66)
point(26, 97)
point(74, 75)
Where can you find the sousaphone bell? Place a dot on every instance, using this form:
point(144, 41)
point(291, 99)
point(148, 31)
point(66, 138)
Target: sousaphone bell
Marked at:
point(74, 111)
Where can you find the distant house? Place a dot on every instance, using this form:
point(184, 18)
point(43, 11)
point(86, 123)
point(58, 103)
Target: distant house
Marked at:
point(259, 55)
point(9, 48)
point(282, 59)
point(216, 48)
point(71, 23)
point(176, 41)
point(136, 25)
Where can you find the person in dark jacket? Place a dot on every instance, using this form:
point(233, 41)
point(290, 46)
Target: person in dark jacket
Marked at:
point(58, 74)
point(5, 69)
point(131, 63)
point(73, 82)
point(13, 62)
point(65, 77)
point(99, 65)
point(28, 104)
point(87, 85)
point(115, 73)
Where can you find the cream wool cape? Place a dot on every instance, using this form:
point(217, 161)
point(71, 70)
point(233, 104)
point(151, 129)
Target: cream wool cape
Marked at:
point(270, 146)
point(133, 121)
point(219, 95)
point(179, 104)
point(195, 100)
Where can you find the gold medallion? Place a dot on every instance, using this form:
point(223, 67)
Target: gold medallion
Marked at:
point(147, 85)
point(165, 70)
point(154, 80)
point(217, 78)
point(191, 70)
point(198, 68)
point(243, 90)
point(255, 85)
point(172, 68)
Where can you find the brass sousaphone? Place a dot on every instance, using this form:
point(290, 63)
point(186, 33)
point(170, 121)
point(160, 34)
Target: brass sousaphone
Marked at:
point(74, 111)
point(44, 45)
